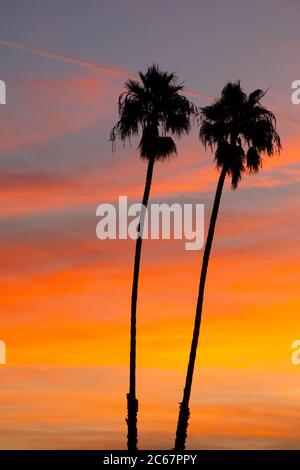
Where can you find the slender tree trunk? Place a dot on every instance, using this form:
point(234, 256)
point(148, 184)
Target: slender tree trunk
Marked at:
point(184, 411)
point(132, 402)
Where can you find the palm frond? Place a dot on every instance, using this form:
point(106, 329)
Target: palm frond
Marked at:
point(165, 148)
point(254, 160)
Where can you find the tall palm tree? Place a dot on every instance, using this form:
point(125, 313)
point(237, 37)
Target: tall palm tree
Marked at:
point(154, 107)
point(240, 130)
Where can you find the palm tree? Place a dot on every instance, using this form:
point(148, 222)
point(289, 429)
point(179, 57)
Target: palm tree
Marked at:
point(154, 106)
point(240, 130)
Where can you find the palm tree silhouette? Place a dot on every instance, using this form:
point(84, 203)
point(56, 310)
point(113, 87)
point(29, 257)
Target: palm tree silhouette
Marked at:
point(155, 107)
point(240, 130)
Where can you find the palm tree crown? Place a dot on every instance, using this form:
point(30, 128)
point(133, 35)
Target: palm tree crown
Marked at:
point(154, 106)
point(241, 129)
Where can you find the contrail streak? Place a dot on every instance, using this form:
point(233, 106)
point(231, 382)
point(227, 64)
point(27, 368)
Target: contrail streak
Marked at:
point(114, 71)
point(201, 96)
point(62, 58)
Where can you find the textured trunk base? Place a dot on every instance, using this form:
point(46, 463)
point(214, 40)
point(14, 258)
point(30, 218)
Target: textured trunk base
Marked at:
point(183, 421)
point(132, 410)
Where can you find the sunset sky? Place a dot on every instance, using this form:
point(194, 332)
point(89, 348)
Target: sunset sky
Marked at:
point(65, 295)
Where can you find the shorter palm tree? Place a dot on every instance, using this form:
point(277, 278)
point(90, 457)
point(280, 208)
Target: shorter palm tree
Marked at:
point(155, 107)
point(241, 130)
